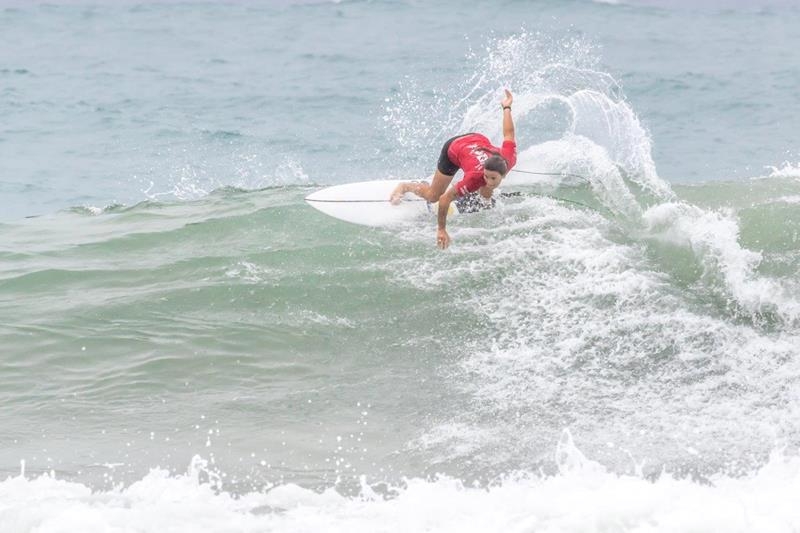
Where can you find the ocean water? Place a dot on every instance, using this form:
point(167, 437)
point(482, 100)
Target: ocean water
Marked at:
point(185, 345)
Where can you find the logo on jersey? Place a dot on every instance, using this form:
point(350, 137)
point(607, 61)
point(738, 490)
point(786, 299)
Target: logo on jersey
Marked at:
point(479, 153)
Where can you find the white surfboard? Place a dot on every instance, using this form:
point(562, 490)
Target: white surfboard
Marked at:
point(367, 203)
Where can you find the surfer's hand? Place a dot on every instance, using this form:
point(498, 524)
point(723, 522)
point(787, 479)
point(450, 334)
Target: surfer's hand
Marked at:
point(508, 100)
point(442, 239)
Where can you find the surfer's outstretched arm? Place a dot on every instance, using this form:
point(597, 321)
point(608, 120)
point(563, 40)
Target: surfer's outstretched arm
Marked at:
point(508, 122)
point(442, 238)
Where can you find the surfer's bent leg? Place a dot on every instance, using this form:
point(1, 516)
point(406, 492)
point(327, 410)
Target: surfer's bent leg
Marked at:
point(445, 170)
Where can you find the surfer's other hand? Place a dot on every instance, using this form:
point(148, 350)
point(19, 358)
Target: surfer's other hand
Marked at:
point(508, 100)
point(442, 239)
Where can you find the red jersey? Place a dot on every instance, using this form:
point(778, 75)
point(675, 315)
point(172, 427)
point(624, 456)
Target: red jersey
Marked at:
point(470, 152)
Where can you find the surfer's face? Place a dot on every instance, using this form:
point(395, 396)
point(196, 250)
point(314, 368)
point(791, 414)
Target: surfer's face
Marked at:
point(492, 178)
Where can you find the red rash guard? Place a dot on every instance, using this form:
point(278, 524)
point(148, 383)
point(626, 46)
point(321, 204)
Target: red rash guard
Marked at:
point(470, 152)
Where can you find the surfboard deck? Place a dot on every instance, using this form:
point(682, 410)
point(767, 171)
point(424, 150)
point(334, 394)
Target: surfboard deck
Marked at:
point(367, 203)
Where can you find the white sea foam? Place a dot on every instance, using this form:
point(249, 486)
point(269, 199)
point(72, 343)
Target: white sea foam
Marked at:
point(787, 170)
point(569, 320)
point(792, 199)
point(582, 496)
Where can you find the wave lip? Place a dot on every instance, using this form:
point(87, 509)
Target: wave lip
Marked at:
point(713, 238)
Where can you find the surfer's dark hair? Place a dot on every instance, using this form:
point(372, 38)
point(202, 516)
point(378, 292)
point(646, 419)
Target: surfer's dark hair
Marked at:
point(497, 163)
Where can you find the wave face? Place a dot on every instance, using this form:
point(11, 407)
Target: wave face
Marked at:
point(187, 346)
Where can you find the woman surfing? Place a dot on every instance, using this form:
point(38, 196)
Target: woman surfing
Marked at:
point(484, 167)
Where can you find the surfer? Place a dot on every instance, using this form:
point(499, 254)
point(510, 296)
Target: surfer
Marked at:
point(484, 168)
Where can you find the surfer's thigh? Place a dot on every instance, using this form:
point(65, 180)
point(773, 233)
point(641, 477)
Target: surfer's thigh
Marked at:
point(439, 184)
point(445, 170)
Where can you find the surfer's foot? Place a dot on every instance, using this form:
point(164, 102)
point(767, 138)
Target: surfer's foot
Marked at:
point(397, 194)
